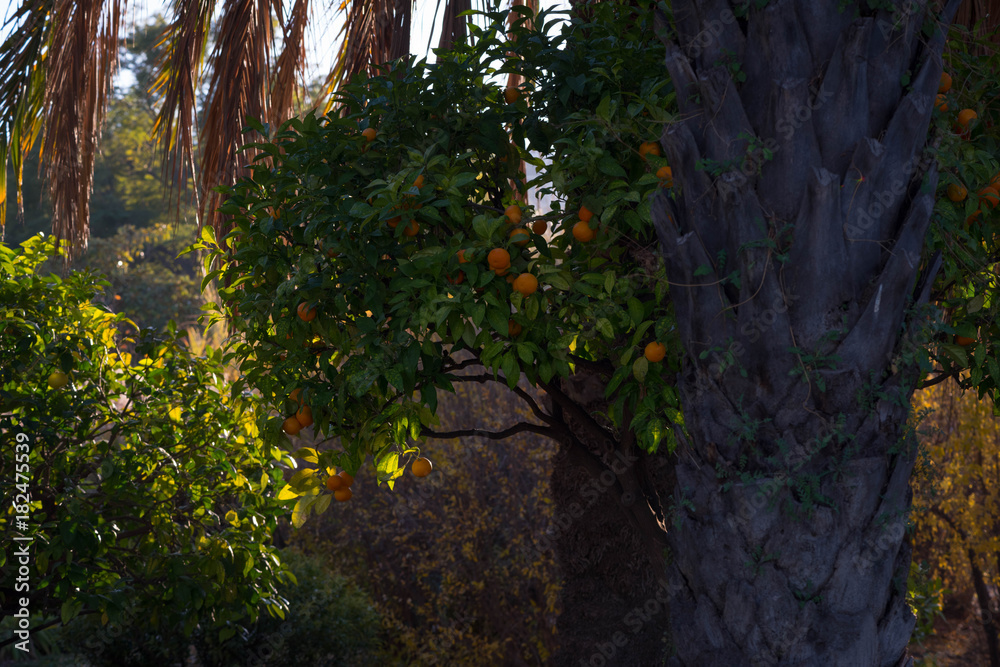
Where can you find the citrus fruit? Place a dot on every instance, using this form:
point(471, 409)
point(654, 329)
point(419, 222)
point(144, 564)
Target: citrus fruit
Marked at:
point(995, 182)
point(964, 341)
point(520, 236)
point(957, 192)
point(940, 104)
point(582, 232)
point(972, 217)
point(334, 482)
point(539, 227)
point(649, 148)
point(419, 182)
point(369, 134)
point(58, 380)
point(511, 94)
point(421, 467)
point(394, 221)
point(411, 229)
point(526, 284)
point(457, 280)
point(945, 84)
point(306, 314)
point(666, 176)
point(461, 256)
point(343, 495)
point(965, 116)
point(585, 214)
point(513, 213)
point(499, 260)
point(513, 328)
point(655, 352)
point(989, 197)
point(291, 426)
point(304, 416)
point(347, 477)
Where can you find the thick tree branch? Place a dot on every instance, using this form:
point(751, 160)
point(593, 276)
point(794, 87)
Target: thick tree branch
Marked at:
point(520, 427)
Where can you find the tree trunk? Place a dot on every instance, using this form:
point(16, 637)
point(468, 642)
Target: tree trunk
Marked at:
point(793, 248)
point(986, 618)
point(607, 535)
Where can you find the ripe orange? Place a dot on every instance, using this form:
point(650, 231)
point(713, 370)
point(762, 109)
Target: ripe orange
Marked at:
point(511, 94)
point(513, 328)
point(957, 192)
point(520, 236)
point(989, 197)
point(972, 217)
point(995, 182)
point(945, 84)
point(291, 426)
point(940, 104)
point(421, 467)
point(304, 416)
point(513, 213)
point(585, 214)
point(411, 229)
point(347, 477)
point(369, 134)
point(526, 284)
point(965, 116)
point(655, 352)
point(964, 341)
point(394, 221)
point(499, 260)
point(334, 482)
point(649, 148)
point(457, 280)
point(583, 233)
point(306, 314)
point(666, 176)
point(539, 227)
point(461, 256)
point(343, 495)
point(419, 183)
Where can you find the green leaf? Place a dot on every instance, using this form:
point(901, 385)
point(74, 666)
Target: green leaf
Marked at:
point(610, 166)
point(603, 325)
point(639, 369)
point(635, 310)
point(307, 454)
point(604, 108)
point(287, 493)
point(976, 303)
point(510, 369)
point(69, 610)
point(301, 511)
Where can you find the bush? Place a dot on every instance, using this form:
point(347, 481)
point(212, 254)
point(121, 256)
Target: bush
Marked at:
point(328, 621)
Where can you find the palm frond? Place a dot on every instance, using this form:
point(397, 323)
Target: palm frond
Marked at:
point(238, 89)
point(454, 26)
point(22, 73)
point(83, 56)
point(290, 63)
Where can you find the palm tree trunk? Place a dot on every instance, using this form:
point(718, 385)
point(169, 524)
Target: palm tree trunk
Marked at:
point(793, 251)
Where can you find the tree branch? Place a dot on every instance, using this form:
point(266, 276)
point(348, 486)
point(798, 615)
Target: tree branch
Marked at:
point(520, 427)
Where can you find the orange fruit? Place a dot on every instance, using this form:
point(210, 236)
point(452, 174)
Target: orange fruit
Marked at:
point(513, 328)
point(957, 192)
point(419, 183)
point(306, 314)
point(995, 182)
point(394, 221)
point(511, 94)
point(526, 284)
point(369, 134)
point(539, 227)
point(457, 280)
point(513, 213)
point(461, 256)
point(499, 260)
point(583, 233)
point(411, 229)
point(965, 116)
point(520, 236)
point(649, 148)
point(291, 426)
point(655, 352)
point(964, 341)
point(945, 84)
point(304, 416)
point(58, 380)
point(972, 217)
point(334, 482)
point(989, 197)
point(347, 477)
point(666, 176)
point(940, 104)
point(585, 214)
point(421, 467)
point(343, 495)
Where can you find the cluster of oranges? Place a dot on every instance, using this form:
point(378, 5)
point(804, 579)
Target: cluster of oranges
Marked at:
point(340, 484)
point(302, 417)
point(989, 196)
point(965, 116)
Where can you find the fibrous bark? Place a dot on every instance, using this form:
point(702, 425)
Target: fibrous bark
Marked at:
point(793, 246)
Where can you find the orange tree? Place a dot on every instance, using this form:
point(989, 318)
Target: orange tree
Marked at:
point(380, 255)
point(135, 483)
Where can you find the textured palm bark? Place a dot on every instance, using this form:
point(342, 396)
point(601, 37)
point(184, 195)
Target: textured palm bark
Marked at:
point(607, 535)
point(794, 482)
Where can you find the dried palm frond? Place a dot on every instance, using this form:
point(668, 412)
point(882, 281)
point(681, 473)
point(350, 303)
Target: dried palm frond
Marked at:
point(291, 62)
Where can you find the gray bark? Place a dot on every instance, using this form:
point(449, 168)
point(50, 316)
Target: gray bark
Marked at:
point(793, 477)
